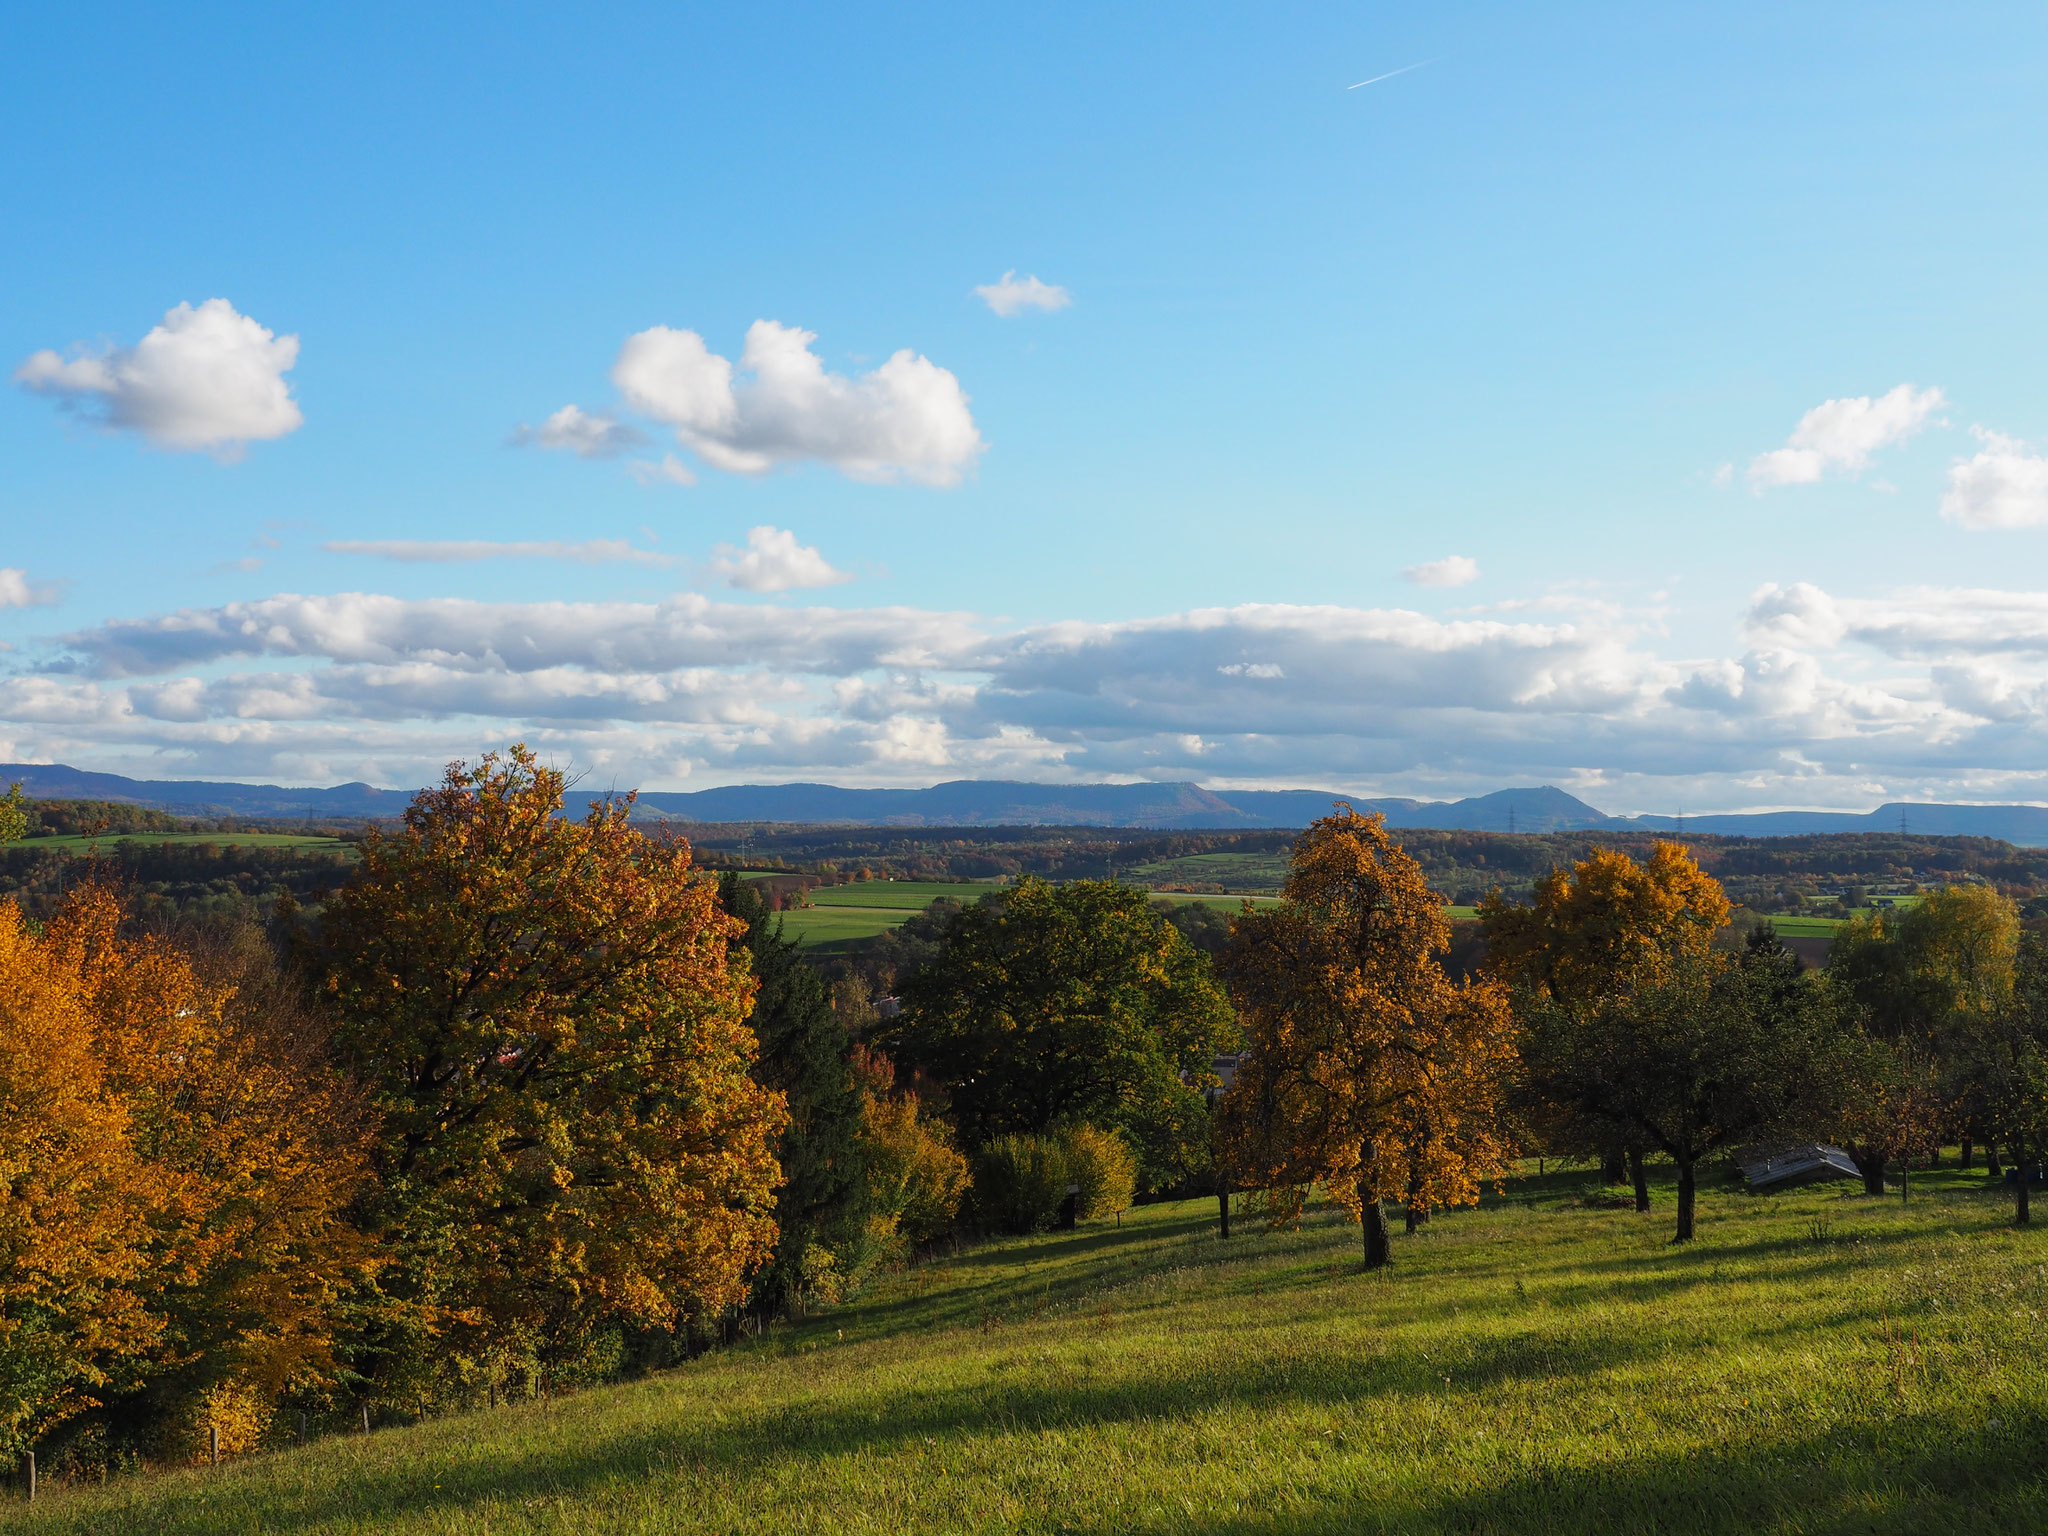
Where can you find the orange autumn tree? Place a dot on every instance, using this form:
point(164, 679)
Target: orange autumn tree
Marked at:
point(1605, 924)
point(551, 1015)
point(174, 1242)
point(74, 1201)
point(1593, 935)
point(1368, 1070)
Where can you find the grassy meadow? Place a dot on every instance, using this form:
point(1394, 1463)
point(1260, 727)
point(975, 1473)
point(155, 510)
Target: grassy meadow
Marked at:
point(840, 914)
point(1815, 1362)
point(1258, 872)
point(1795, 927)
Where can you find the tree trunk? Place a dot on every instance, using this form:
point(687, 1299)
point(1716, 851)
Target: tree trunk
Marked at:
point(1614, 1167)
point(1642, 1179)
point(1379, 1240)
point(2021, 1215)
point(1413, 1212)
point(1870, 1163)
point(1223, 1206)
point(1967, 1149)
point(1685, 1201)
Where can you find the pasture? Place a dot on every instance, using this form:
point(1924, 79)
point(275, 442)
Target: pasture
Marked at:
point(1815, 1362)
point(841, 914)
point(1235, 872)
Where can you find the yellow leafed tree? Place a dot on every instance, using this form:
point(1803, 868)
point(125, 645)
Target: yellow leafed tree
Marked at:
point(1368, 1070)
point(551, 1014)
point(1604, 925)
point(74, 1201)
point(176, 1220)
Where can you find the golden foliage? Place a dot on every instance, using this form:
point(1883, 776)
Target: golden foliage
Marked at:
point(1605, 925)
point(174, 1219)
point(552, 1016)
point(1102, 1163)
point(1368, 1071)
point(74, 1201)
point(915, 1175)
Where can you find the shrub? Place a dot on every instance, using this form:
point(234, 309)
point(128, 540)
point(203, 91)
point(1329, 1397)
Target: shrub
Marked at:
point(915, 1177)
point(1104, 1167)
point(1019, 1182)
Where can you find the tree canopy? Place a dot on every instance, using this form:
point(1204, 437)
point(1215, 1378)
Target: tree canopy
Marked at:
point(1049, 1004)
point(803, 1056)
point(1705, 1054)
point(174, 1239)
point(544, 1012)
point(1606, 922)
point(1367, 1069)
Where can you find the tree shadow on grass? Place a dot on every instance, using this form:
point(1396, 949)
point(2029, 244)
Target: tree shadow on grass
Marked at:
point(1015, 1280)
point(432, 1483)
point(1916, 1476)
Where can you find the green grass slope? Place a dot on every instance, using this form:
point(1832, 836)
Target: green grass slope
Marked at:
point(1817, 1362)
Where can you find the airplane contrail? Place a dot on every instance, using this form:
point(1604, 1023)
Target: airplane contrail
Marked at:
point(1376, 79)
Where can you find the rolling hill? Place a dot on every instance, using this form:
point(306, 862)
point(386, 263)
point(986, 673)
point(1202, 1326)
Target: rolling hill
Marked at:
point(1005, 803)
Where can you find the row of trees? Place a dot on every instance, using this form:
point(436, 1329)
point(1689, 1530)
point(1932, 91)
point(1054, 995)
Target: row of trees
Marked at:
point(525, 1101)
point(1608, 1024)
point(531, 1100)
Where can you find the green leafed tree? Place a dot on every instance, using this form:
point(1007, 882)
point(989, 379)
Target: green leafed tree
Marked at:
point(2013, 1071)
point(1931, 984)
point(1700, 1056)
point(1074, 1003)
point(13, 814)
point(804, 1049)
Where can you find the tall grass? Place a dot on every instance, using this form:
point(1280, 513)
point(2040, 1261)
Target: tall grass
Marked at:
point(1816, 1362)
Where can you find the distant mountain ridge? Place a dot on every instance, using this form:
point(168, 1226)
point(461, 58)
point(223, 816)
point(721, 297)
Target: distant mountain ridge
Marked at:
point(197, 797)
point(998, 803)
point(1165, 807)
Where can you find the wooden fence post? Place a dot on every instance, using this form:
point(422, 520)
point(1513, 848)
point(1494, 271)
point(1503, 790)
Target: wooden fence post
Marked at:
point(366, 1418)
point(31, 1477)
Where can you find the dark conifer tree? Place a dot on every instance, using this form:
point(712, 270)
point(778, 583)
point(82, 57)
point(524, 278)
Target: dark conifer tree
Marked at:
point(804, 1049)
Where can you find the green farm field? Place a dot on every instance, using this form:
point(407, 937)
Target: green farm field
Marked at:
point(1817, 1362)
point(841, 914)
point(900, 895)
point(1797, 927)
point(1234, 871)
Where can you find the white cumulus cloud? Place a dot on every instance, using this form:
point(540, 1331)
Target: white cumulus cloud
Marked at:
point(207, 378)
point(773, 561)
point(907, 419)
point(1824, 699)
point(1451, 571)
point(1800, 616)
point(2004, 485)
point(1840, 435)
point(1012, 295)
point(458, 551)
point(17, 591)
point(586, 434)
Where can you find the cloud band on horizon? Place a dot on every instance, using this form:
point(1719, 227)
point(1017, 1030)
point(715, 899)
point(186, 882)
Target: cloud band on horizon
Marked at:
point(1929, 691)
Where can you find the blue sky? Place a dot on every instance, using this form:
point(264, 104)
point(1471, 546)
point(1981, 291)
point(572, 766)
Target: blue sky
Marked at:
point(1545, 304)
